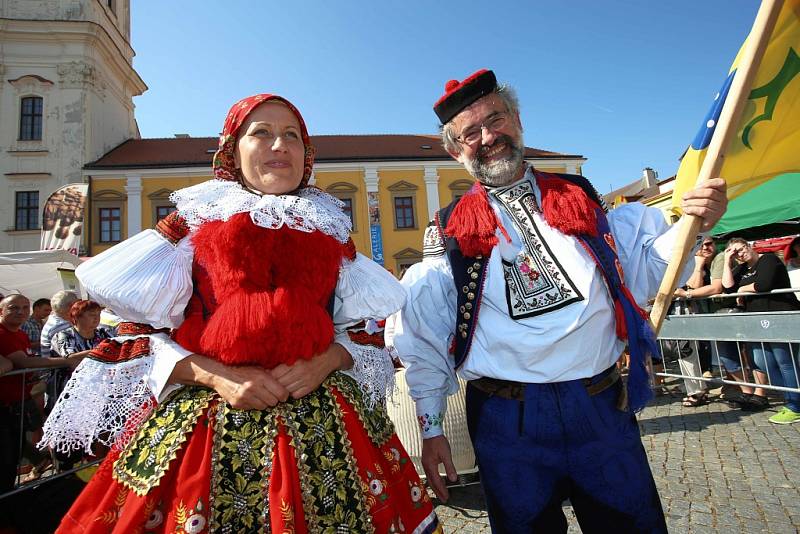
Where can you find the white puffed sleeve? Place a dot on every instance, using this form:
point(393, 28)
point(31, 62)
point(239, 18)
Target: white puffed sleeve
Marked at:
point(145, 279)
point(366, 290)
point(423, 331)
point(644, 245)
point(366, 294)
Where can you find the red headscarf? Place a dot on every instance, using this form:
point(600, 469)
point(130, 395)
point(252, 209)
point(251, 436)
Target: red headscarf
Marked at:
point(224, 164)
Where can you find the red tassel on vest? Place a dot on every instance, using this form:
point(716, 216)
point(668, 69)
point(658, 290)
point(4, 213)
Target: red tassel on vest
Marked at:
point(474, 223)
point(565, 206)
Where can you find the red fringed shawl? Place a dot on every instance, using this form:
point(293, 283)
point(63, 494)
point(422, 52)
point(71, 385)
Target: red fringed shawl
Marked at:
point(260, 295)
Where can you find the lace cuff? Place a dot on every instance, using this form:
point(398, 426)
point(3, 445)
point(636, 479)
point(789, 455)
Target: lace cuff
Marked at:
point(99, 401)
point(372, 369)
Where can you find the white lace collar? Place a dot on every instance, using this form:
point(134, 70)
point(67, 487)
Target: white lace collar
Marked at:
point(219, 200)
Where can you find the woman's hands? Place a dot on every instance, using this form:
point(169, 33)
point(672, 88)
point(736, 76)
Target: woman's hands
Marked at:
point(256, 388)
point(304, 376)
point(244, 388)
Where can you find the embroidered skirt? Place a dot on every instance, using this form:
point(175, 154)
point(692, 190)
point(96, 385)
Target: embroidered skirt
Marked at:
point(322, 463)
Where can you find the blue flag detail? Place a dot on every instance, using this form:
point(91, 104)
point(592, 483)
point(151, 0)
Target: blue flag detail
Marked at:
point(703, 137)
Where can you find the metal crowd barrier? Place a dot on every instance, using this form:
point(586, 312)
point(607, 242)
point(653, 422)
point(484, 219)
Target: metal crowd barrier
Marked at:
point(30, 410)
point(681, 332)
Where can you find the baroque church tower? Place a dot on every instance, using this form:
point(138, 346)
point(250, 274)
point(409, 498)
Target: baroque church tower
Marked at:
point(67, 84)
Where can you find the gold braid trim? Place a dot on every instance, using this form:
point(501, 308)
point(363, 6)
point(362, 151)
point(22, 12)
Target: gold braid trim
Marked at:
point(376, 420)
point(147, 456)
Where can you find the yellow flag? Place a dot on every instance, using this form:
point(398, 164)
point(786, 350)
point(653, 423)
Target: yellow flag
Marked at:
point(767, 141)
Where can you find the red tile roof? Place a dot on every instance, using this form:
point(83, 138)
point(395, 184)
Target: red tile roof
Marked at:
point(198, 151)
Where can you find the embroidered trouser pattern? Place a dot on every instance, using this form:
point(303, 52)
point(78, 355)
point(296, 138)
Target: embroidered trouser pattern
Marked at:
point(561, 443)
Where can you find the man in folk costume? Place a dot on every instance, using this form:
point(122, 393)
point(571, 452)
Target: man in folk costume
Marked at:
point(529, 290)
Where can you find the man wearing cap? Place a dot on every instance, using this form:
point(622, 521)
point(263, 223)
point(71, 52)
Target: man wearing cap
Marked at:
point(528, 290)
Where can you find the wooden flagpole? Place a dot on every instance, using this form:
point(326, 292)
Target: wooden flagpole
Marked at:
point(715, 156)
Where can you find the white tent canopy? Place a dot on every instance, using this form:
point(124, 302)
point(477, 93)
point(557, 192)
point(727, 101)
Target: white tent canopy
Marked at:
point(38, 273)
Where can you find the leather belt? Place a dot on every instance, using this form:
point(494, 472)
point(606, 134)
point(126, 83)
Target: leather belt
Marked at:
point(508, 389)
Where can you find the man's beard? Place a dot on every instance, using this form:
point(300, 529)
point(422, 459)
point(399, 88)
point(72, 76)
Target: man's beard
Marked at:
point(498, 172)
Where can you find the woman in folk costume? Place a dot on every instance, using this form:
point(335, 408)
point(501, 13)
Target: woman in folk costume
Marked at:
point(252, 297)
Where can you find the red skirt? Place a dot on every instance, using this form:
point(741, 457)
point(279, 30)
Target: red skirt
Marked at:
point(323, 463)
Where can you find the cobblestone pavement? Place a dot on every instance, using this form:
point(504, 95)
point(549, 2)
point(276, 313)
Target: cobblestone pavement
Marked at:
point(718, 469)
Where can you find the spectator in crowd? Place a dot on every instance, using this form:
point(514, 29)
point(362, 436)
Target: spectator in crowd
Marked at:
point(109, 321)
point(84, 334)
point(5, 365)
point(75, 342)
point(762, 273)
point(727, 353)
point(700, 284)
point(61, 302)
point(33, 326)
point(17, 413)
point(80, 338)
point(791, 255)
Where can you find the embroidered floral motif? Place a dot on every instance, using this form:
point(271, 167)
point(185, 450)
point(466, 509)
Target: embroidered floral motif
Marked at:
point(535, 282)
point(110, 516)
point(429, 421)
point(172, 227)
point(433, 245)
point(527, 267)
point(154, 515)
point(377, 484)
point(287, 515)
point(397, 526)
point(418, 494)
point(395, 459)
point(148, 454)
point(190, 521)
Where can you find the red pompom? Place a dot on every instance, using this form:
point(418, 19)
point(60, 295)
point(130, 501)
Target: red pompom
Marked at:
point(450, 85)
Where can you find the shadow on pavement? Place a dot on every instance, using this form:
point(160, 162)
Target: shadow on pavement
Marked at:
point(700, 418)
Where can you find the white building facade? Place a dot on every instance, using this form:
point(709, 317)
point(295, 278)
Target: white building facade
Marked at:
point(67, 84)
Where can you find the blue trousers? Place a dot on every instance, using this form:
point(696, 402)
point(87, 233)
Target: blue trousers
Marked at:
point(782, 364)
point(561, 443)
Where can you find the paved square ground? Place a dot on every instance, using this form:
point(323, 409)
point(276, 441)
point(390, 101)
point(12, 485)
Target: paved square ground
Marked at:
point(718, 469)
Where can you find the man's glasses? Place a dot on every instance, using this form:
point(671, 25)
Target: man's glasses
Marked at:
point(473, 134)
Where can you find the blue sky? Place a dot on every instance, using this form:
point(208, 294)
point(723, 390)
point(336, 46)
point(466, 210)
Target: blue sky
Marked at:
point(624, 83)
